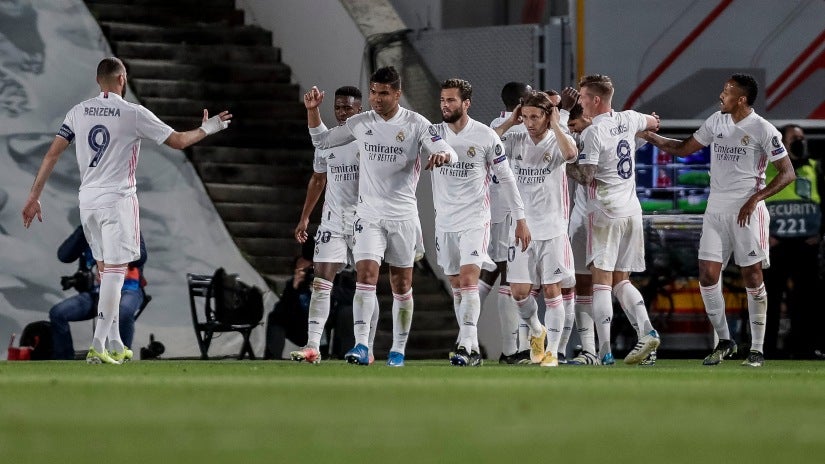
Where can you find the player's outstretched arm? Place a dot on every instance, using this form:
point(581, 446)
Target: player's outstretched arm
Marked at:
point(672, 146)
point(32, 207)
point(209, 126)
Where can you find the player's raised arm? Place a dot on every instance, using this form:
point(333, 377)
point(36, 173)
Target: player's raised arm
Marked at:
point(312, 100)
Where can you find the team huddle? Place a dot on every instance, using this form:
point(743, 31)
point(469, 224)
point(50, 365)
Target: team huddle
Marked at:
point(502, 196)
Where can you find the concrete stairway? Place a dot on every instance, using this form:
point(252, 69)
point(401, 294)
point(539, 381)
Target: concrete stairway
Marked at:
point(187, 55)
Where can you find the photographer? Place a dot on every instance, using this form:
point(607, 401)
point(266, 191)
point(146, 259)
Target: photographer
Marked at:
point(83, 306)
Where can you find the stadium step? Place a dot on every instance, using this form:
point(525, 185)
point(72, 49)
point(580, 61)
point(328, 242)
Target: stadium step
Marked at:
point(199, 90)
point(202, 34)
point(196, 54)
point(248, 108)
point(211, 72)
point(236, 193)
point(252, 174)
point(208, 154)
point(169, 13)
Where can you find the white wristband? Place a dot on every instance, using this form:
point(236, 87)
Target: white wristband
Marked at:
point(213, 125)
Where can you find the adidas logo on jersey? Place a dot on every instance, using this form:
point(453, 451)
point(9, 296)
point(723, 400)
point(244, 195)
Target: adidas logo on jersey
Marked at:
point(368, 132)
point(640, 303)
point(474, 253)
point(752, 253)
point(719, 136)
point(519, 158)
point(331, 156)
point(557, 271)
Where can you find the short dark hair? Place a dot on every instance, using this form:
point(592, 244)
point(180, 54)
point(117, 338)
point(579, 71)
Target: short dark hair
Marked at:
point(576, 112)
point(110, 67)
point(512, 93)
point(348, 91)
point(463, 86)
point(551, 92)
point(748, 84)
point(601, 83)
point(387, 75)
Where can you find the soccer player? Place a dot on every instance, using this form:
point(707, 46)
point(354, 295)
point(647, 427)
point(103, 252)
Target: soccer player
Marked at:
point(391, 140)
point(462, 209)
point(578, 241)
point(538, 163)
point(109, 130)
point(736, 220)
point(336, 175)
point(615, 236)
point(515, 348)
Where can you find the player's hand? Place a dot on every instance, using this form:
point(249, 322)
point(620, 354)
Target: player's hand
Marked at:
point(569, 97)
point(515, 118)
point(744, 216)
point(523, 236)
point(313, 98)
point(301, 231)
point(555, 117)
point(658, 121)
point(31, 210)
point(215, 123)
point(438, 159)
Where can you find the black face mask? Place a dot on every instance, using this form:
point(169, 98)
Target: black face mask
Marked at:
point(799, 149)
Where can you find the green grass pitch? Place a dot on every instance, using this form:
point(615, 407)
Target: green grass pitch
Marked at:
point(283, 412)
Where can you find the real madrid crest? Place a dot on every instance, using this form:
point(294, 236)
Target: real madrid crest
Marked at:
point(746, 140)
point(471, 152)
point(546, 157)
point(400, 136)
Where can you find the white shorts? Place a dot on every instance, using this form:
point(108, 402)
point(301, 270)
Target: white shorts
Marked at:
point(616, 244)
point(113, 233)
point(456, 249)
point(332, 247)
point(722, 236)
point(396, 242)
point(500, 239)
point(577, 231)
point(544, 262)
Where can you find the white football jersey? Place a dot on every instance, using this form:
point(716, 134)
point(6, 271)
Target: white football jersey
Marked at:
point(542, 183)
point(109, 130)
point(340, 164)
point(390, 154)
point(498, 209)
point(739, 154)
point(460, 190)
point(610, 143)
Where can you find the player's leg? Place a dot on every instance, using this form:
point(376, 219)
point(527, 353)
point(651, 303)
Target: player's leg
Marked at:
point(402, 240)
point(715, 248)
point(568, 296)
point(751, 253)
point(368, 251)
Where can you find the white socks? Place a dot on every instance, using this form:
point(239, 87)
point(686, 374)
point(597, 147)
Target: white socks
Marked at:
point(363, 307)
point(402, 312)
point(631, 301)
point(111, 284)
point(758, 312)
point(715, 308)
point(568, 300)
point(528, 311)
point(554, 321)
point(509, 316)
point(318, 311)
point(603, 316)
point(584, 322)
